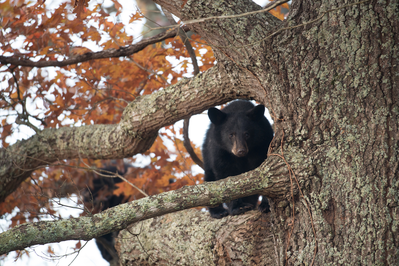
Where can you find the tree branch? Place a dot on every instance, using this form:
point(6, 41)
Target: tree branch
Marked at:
point(270, 179)
point(134, 134)
point(190, 50)
point(123, 51)
point(187, 144)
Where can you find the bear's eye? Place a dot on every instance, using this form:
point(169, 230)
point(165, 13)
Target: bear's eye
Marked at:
point(246, 135)
point(232, 135)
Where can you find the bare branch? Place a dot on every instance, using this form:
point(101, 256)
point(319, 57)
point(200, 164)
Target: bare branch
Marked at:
point(187, 144)
point(184, 38)
point(123, 51)
point(190, 50)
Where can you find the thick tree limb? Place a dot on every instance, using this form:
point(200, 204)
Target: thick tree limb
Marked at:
point(269, 179)
point(123, 51)
point(192, 237)
point(134, 134)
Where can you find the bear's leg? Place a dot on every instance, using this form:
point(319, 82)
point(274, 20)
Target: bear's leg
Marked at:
point(242, 205)
point(218, 212)
point(264, 205)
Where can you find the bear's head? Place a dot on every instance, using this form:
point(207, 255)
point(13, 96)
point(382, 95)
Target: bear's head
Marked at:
point(238, 127)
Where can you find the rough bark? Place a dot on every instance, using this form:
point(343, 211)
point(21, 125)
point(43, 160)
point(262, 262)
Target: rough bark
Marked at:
point(332, 87)
point(329, 76)
point(233, 240)
point(119, 217)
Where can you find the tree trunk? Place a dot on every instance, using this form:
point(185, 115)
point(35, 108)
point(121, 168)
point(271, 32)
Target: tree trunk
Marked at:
point(329, 76)
point(332, 87)
point(234, 240)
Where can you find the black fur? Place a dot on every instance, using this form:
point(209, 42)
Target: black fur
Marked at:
point(236, 142)
point(100, 197)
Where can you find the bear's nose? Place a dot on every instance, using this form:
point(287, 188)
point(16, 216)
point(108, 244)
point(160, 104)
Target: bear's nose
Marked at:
point(241, 152)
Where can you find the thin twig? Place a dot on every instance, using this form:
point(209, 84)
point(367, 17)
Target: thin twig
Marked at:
point(148, 70)
point(112, 175)
point(23, 118)
point(185, 39)
point(280, 30)
point(109, 53)
point(187, 144)
point(194, 21)
point(117, 175)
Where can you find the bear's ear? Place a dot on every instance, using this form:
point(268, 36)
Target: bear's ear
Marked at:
point(216, 116)
point(256, 113)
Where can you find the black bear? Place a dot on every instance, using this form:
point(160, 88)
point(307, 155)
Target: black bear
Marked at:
point(99, 198)
point(237, 141)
